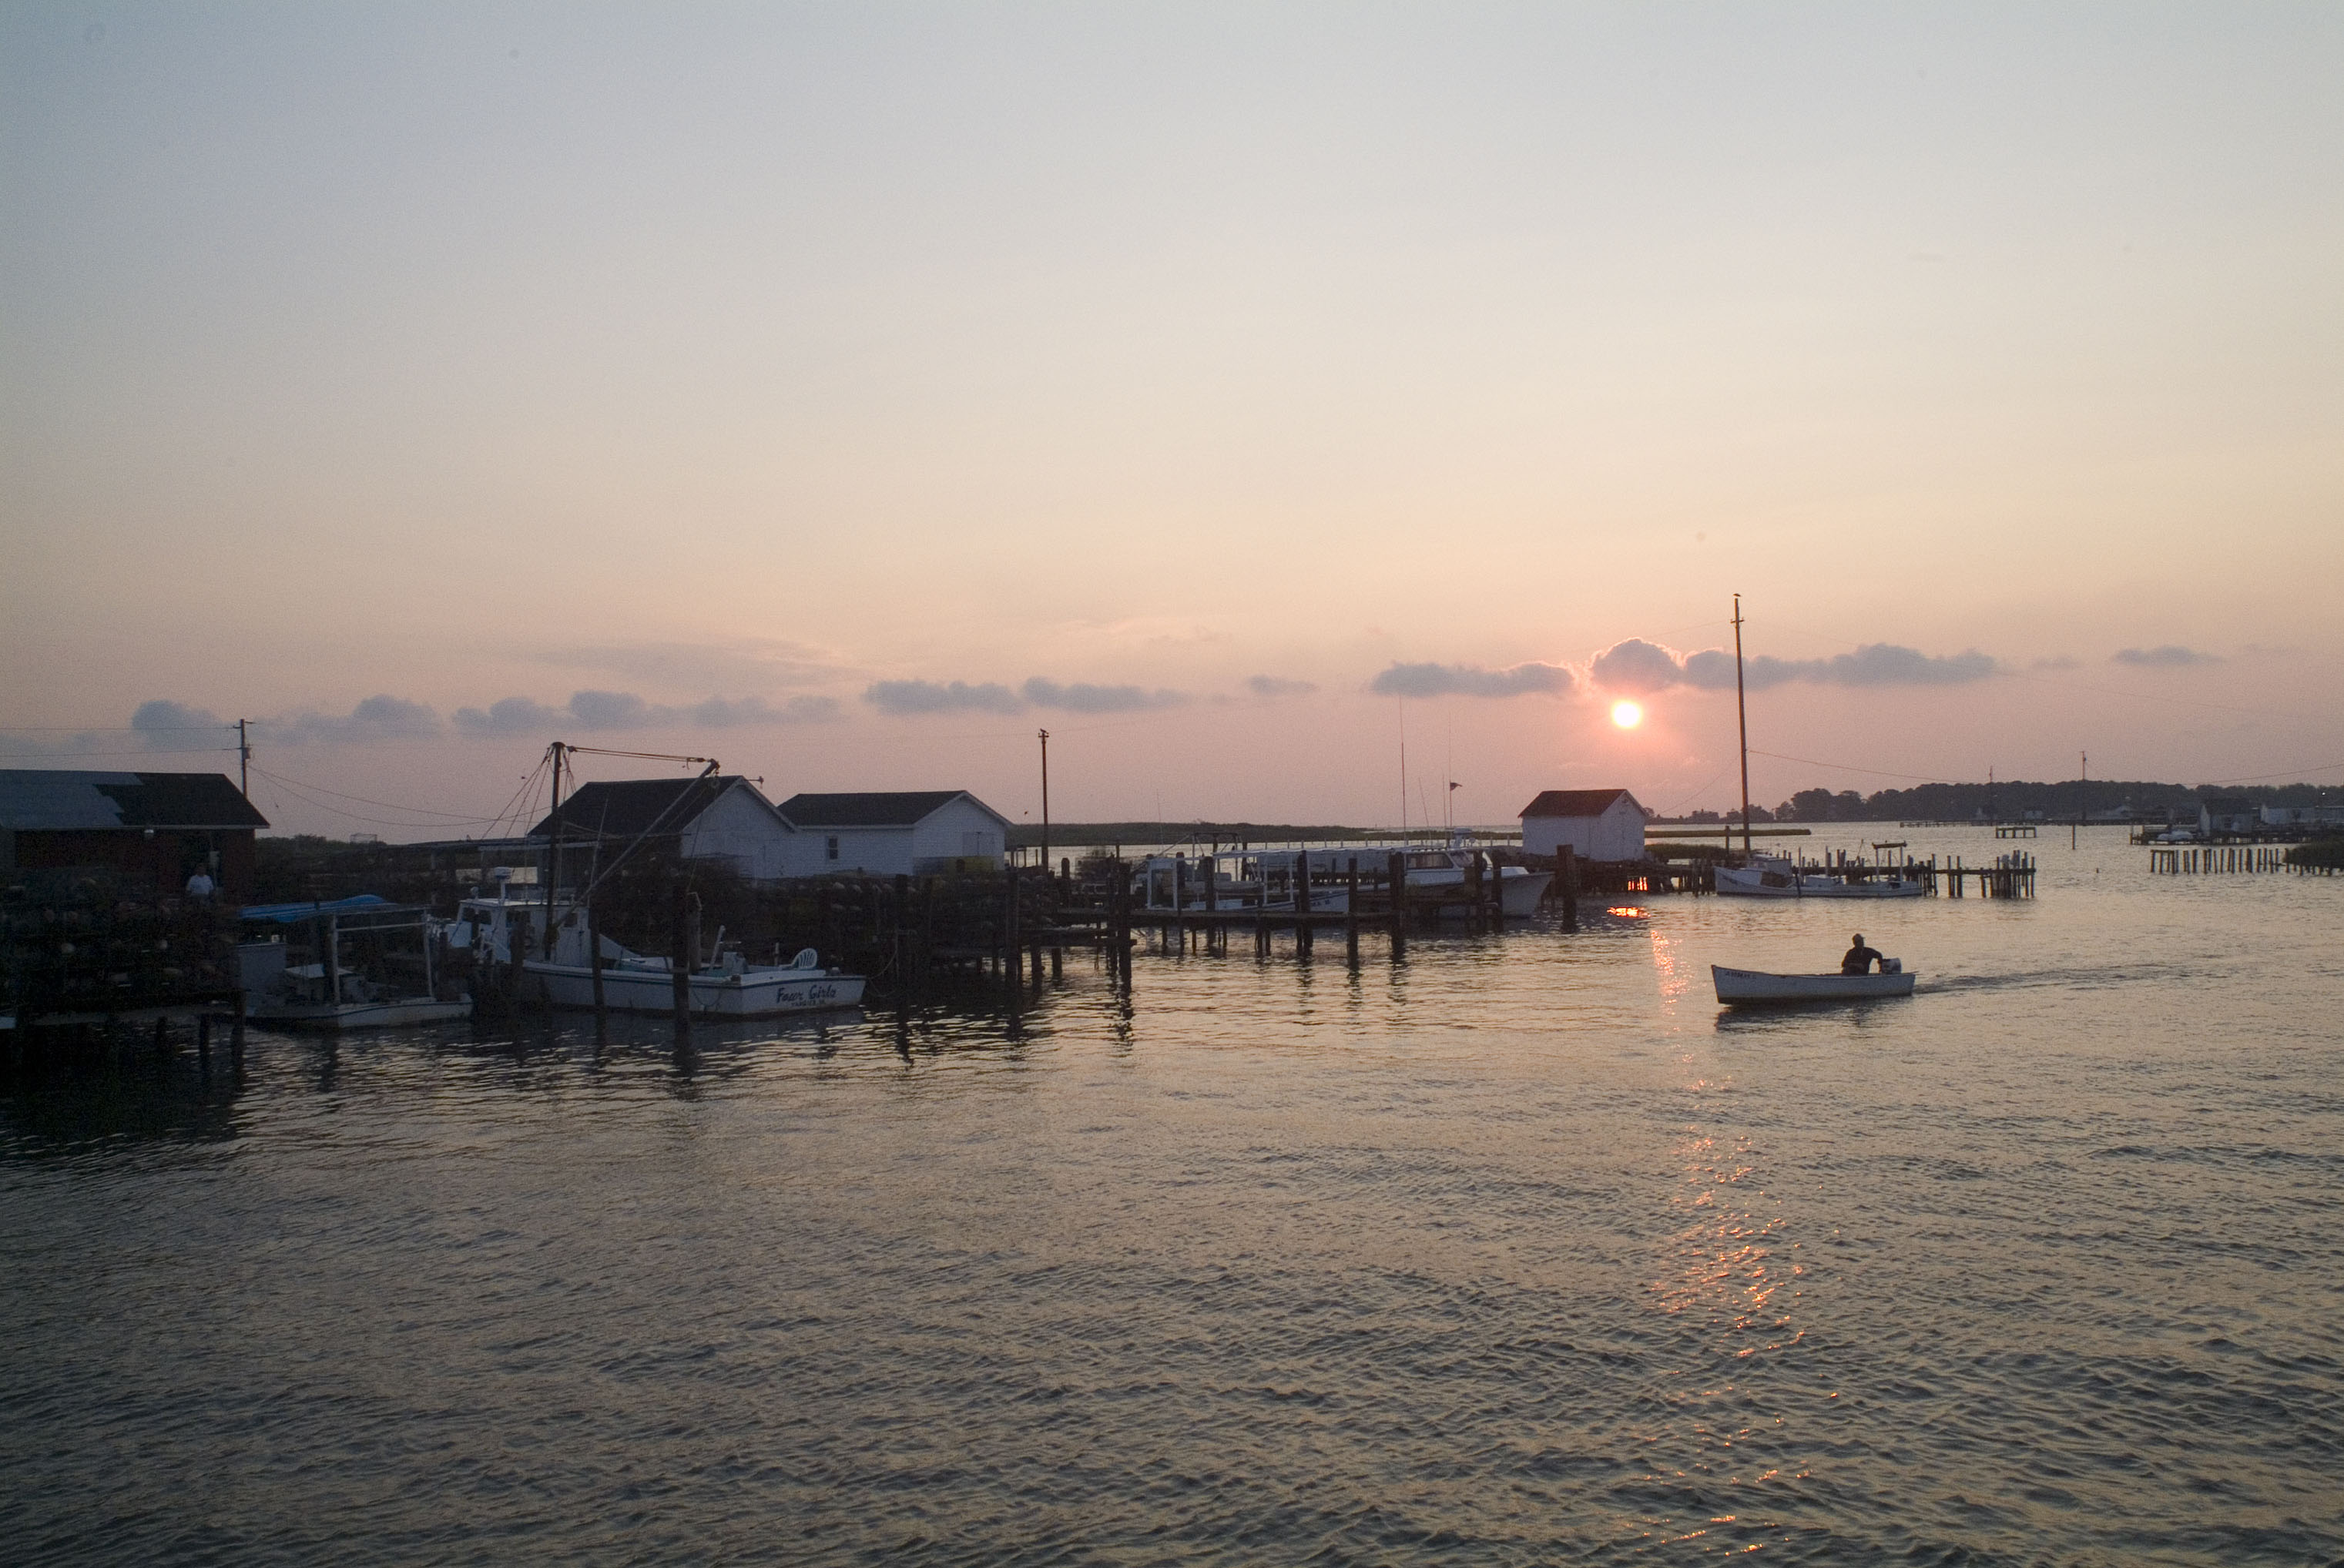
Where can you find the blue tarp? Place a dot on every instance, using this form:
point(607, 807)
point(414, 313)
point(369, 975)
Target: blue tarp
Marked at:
point(292, 914)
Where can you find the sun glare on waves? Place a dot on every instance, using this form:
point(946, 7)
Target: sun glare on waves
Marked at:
point(1627, 715)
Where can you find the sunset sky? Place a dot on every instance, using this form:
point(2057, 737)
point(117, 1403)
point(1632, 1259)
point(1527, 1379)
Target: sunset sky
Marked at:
point(846, 391)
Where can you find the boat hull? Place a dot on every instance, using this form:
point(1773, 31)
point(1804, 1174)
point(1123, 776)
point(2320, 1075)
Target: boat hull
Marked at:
point(335, 1019)
point(1736, 881)
point(1744, 988)
point(756, 993)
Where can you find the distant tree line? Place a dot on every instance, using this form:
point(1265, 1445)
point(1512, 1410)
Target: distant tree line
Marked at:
point(2016, 797)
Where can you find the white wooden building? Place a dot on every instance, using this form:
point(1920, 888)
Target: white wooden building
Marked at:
point(1598, 824)
point(725, 818)
point(883, 834)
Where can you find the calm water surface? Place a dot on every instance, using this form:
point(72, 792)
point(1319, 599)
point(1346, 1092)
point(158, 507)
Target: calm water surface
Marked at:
point(1516, 1252)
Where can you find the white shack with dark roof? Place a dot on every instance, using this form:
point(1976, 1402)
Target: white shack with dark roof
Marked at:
point(723, 818)
point(1598, 824)
point(912, 832)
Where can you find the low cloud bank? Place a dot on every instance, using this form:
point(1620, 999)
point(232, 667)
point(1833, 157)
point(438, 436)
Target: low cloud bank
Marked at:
point(1277, 686)
point(609, 710)
point(1473, 680)
point(921, 697)
point(2167, 655)
point(1636, 665)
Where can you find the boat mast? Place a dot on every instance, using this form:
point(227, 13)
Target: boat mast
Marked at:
point(554, 851)
point(1741, 717)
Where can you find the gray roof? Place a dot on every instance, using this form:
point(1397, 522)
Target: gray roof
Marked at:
point(624, 808)
point(880, 808)
point(1573, 802)
point(39, 801)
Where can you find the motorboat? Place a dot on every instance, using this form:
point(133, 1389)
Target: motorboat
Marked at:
point(1774, 877)
point(1520, 889)
point(360, 962)
point(1745, 988)
point(561, 974)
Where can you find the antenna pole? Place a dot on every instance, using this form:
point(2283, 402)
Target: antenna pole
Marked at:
point(1046, 803)
point(243, 758)
point(1741, 719)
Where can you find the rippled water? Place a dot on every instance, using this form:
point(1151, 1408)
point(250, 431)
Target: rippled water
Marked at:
point(1517, 1252)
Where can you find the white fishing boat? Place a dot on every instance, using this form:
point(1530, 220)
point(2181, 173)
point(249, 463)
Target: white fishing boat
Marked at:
point(353, 963)
point(726, 985)
point(1520, 889)
point(1773, 876)
point(1743, 988)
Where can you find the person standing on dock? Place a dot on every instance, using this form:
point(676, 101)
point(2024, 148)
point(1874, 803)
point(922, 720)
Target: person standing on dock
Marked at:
point(1860, 959)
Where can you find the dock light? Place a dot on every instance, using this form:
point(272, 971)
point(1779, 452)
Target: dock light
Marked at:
point(1627, 715)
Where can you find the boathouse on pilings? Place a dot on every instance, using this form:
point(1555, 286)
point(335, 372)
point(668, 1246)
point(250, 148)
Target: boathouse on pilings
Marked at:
point(1595, 824)
point(724, 818)
point(887, 833)
point(2222, 814)
point(152, 832)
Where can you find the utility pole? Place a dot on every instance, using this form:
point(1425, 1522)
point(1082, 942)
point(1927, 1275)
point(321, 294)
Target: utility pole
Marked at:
point(1741, 717)
point(244, 760)
point(1046, 801)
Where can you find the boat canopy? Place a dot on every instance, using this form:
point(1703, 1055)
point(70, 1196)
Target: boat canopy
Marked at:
point(293, 914)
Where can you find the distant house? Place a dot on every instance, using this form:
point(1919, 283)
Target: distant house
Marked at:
point(725, 818)
point(2228, 814)
point(1598, 824)
point(154, 830)
point(2303, 817)
point(896, 832)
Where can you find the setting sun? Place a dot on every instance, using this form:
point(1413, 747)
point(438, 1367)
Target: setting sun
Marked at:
point(1627, 715)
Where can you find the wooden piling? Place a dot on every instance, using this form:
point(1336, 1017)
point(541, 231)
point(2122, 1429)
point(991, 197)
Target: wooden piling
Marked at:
point(1396, 875)
point(679, 965)
point(1351, 913)
point(594, 966)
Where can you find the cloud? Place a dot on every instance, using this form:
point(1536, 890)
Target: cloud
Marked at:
point(602, 710)
point(904, 697)
point(1084, 697)
point(2056, 661)
point(1636, 665)
point(166, 723)
point(379, 718)
point(1473, 680)
point(2169, 655)
point(1277, 686)
point(717, 713)
point(513, 715)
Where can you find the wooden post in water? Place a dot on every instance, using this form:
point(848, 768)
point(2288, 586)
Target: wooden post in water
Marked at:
point(1351, 913)
point(1302, 929)
point(1396, 874)
point(594, 965)
point(1181, 901)
point(679, 938)
point(901, 914)
point(1012, 955)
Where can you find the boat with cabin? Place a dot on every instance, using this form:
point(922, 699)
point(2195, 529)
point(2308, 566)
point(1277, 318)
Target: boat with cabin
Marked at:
point(1777, 877)
point(360, 962)
point(495, 926)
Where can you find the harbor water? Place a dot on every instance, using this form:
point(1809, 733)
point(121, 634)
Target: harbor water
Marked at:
point(1514, 1251)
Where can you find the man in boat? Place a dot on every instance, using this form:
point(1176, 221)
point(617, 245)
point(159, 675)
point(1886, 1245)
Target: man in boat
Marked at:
point(1860, 959)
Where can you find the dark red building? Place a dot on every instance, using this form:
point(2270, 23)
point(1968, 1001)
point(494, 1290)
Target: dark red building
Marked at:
point(153, 829)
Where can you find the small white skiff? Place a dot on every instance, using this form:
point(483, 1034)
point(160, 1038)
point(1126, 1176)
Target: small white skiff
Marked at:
point(1740, 988)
